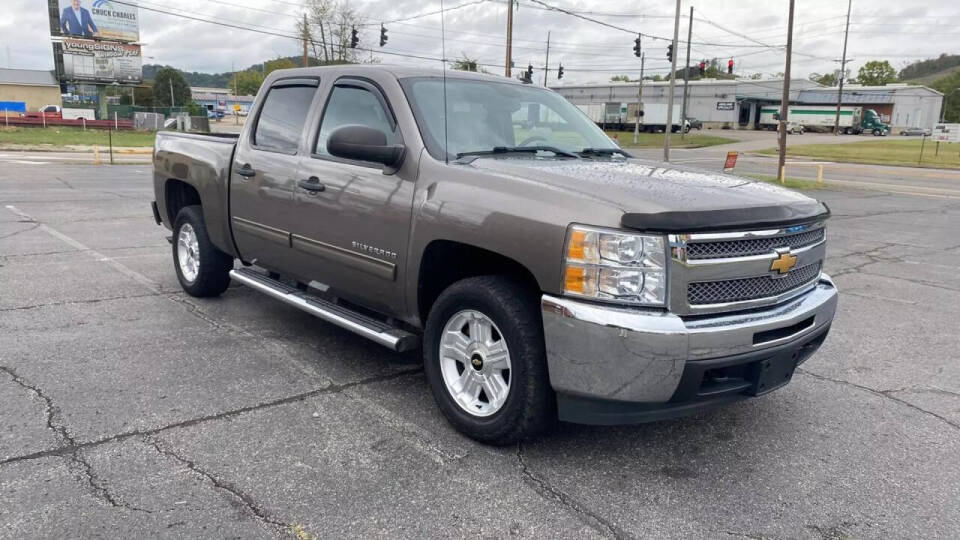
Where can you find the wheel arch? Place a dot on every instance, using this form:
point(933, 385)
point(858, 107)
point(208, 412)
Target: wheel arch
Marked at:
point(444, 262)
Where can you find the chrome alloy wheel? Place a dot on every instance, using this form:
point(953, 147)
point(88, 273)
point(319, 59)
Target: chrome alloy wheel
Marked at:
point(475, 363)
point(188, 253)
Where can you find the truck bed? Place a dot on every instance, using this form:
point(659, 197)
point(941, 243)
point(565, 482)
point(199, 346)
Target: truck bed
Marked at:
point(202, 161)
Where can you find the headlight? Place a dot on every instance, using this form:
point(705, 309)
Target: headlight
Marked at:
point(615, 266)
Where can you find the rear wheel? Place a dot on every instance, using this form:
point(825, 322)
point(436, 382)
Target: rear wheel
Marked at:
point(485, 361)
point(202, 269)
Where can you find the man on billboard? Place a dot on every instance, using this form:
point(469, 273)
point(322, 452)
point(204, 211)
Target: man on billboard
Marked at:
point(76, 21)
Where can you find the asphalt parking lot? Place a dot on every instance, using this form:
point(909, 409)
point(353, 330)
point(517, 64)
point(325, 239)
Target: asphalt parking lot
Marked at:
point(128, 409)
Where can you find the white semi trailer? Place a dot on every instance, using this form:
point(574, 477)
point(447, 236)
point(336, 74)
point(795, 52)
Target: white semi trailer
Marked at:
point(853, 120)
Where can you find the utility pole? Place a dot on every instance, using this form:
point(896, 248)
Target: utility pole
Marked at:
point(509, 71)
point(305, 31)
point(673, 84)
point(546, 65)
point(843, 70)
point(785, 101)
point(172, 104)
point(636, 125)
point(686, 80)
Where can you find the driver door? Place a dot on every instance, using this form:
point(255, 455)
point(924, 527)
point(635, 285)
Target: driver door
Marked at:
point(352, 234)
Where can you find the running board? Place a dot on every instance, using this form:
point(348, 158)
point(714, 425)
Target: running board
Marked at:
point(358, 323)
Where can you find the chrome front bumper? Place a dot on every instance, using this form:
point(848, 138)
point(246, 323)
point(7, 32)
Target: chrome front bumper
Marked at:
point(634, 355)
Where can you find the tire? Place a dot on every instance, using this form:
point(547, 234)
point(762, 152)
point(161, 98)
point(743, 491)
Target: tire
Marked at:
point(211, 274)
point(529, 407)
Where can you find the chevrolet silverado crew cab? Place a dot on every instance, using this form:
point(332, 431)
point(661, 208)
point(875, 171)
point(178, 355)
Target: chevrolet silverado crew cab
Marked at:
point(544, 272)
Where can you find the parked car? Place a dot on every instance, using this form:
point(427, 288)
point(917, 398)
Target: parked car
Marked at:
point(694, 123)
point(215, 114)
point(916, 132)
point(794, 128)
point(544, 272)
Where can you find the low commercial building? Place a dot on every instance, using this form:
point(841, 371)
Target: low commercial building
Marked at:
point(220, 99)
point(736, 104)
point(27, 90)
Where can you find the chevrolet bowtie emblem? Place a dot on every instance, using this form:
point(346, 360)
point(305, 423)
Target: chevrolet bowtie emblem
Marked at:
point(783, 263)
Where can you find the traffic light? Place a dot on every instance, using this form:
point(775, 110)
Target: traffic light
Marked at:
point(528, 75)
point(670, 52)
point(560, 72)
point(383, 35)
point(703, 68)
point(730, 67)
point(636, 47)
point(354, 39)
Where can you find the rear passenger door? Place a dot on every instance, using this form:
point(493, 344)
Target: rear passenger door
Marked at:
point(352, 235)
point(264, 173)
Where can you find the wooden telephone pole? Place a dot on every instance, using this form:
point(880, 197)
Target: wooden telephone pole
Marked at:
point(785, 101)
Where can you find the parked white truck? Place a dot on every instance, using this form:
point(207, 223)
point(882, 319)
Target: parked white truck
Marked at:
point(654, 118)
point(618, 115)
point(853, 120)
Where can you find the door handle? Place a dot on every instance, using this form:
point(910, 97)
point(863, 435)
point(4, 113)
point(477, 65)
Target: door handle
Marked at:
point(312, 184)
point(246, 171)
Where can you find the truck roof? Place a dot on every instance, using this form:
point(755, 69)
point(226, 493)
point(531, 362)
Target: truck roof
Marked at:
point(400, 72)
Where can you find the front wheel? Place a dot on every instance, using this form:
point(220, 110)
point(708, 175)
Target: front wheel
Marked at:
point(485, 360)
point(202, 269)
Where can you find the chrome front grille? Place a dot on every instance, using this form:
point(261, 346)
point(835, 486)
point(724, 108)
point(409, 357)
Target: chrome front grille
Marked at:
point(721, 249)
point(731, 271)
point(739, 290)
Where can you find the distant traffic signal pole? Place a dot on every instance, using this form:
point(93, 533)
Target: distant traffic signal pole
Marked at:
point(785, 101)
point(636, 124)
point(686, 80)
point(673, 84)
point(843, 71)
point(509, 72)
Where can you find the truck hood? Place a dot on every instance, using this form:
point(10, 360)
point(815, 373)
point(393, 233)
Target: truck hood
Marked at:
point(664, 197)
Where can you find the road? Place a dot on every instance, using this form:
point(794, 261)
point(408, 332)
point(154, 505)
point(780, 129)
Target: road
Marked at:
point(128, 409)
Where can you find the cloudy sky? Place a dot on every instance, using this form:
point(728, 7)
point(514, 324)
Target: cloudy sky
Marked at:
point(752, 32)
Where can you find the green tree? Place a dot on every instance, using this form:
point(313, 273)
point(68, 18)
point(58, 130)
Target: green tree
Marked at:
point(246, 83)
point(467, 64)
point(162, 85)
point(876, 73)
point(280, 63)
point(826, 79)
point(620, 78)
point(950, 86)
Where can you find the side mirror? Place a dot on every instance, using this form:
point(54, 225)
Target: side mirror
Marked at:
point(363, 143)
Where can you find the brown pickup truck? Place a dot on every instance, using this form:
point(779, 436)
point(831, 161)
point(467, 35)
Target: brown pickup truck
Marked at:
point(544, 271)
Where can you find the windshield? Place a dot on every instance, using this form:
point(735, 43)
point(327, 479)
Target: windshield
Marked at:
point(484, 115)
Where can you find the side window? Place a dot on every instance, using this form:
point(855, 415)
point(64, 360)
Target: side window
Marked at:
point(352, 106)
point(282, 117)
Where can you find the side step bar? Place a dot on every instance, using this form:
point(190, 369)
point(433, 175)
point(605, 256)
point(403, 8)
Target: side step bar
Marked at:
point(358, 323)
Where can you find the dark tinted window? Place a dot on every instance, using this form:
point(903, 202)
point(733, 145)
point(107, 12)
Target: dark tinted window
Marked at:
point(353, 106)
point(282, 118)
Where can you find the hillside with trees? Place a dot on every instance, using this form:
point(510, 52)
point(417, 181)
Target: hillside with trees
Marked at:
point(926, 71)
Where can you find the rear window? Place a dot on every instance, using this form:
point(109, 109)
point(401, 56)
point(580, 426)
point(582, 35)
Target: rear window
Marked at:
point(282, 117)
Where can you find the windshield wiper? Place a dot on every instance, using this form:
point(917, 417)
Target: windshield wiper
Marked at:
point(518, 150)
point(604, 152)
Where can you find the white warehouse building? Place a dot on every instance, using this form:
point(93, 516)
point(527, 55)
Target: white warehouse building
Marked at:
point(736, 104)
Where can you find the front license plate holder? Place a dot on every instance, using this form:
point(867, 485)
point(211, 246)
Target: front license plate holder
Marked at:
point(771, 373)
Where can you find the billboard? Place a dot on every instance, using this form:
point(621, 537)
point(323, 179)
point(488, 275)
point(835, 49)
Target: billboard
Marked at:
point(99, 19)
point(101, 61)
